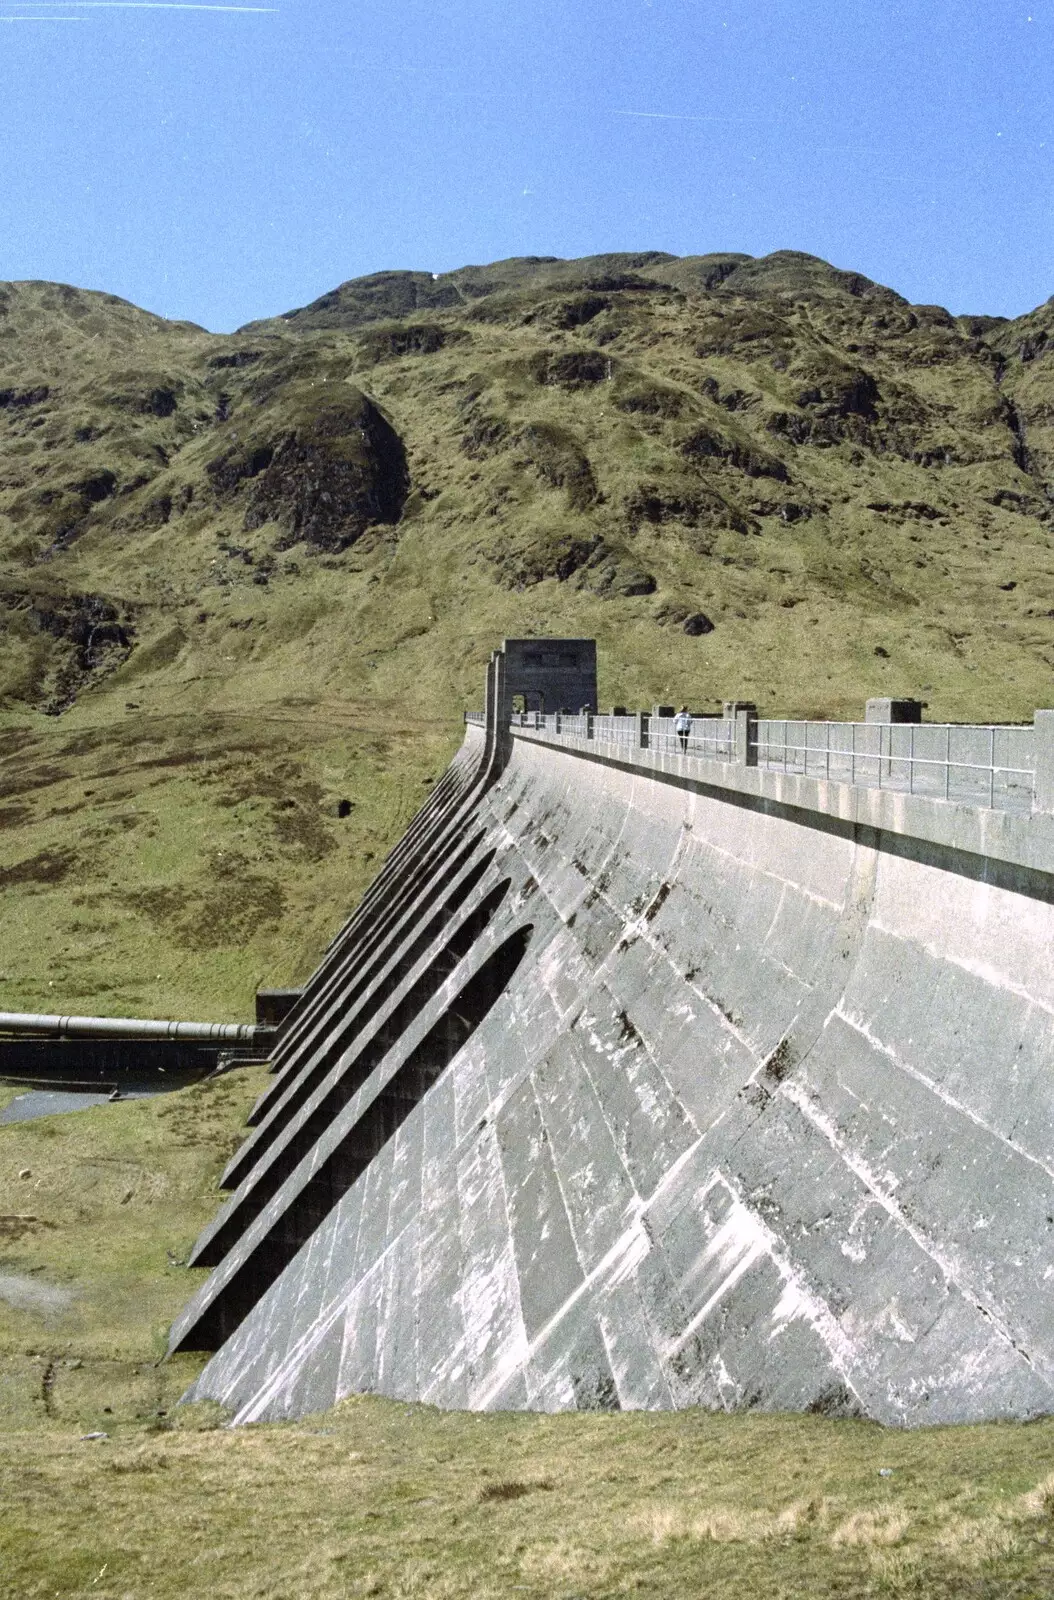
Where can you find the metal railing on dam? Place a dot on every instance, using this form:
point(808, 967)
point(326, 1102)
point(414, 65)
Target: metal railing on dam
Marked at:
point(990, 766)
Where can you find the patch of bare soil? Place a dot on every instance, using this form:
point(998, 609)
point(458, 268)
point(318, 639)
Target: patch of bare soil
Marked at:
point(47, 866)
point(16, 1225)
point(223, 913)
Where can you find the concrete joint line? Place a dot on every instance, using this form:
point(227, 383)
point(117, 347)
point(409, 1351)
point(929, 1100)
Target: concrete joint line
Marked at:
point(997, 977)
point(614, 1267)
point(952, 1271)
point(860, 1027)
point(762, 1244)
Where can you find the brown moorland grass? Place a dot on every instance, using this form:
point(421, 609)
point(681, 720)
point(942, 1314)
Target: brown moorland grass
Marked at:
point(381, 1498)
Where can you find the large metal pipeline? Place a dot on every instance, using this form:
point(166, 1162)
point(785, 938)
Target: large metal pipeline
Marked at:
point(36, 1024)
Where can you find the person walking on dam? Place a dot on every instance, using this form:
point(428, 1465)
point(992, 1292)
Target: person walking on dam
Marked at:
point(682, 727)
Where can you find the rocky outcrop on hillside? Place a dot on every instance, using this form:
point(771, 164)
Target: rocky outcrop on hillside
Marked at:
point(322, 471)
point(71, 641)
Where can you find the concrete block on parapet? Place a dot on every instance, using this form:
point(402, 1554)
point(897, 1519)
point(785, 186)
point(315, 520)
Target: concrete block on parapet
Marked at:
point(883, 709)
point(1043, 748)
point(744, 713)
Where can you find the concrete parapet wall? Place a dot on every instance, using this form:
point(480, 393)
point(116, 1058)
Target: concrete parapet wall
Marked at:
point(764, 1115)
point(1005, 838)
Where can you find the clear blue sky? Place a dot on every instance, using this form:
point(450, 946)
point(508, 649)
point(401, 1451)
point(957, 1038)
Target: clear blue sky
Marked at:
point(222, 164)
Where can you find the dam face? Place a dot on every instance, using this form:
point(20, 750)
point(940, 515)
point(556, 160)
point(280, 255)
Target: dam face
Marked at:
point(649, 1079)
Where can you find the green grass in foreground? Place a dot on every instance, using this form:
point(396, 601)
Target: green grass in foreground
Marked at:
point(380, 1498)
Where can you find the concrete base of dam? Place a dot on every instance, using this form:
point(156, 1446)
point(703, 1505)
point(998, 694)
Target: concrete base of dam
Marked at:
point(646, 1092)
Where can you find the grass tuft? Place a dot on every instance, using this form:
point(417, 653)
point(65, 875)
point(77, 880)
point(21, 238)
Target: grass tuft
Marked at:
point(510, 1490)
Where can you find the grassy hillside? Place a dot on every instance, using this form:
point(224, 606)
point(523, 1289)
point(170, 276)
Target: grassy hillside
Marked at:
point(244, 578)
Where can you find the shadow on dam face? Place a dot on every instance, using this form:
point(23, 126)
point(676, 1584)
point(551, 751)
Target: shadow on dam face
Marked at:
point(363, 1003)
point(297, 1138)
point(760, 1113)
point(371, 1131)
point(336, 996)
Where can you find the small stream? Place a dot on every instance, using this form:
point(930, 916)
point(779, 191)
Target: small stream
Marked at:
point(57, 1097)
point(49, 1102)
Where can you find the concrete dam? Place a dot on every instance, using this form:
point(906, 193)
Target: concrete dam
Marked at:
point(663, 1068)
